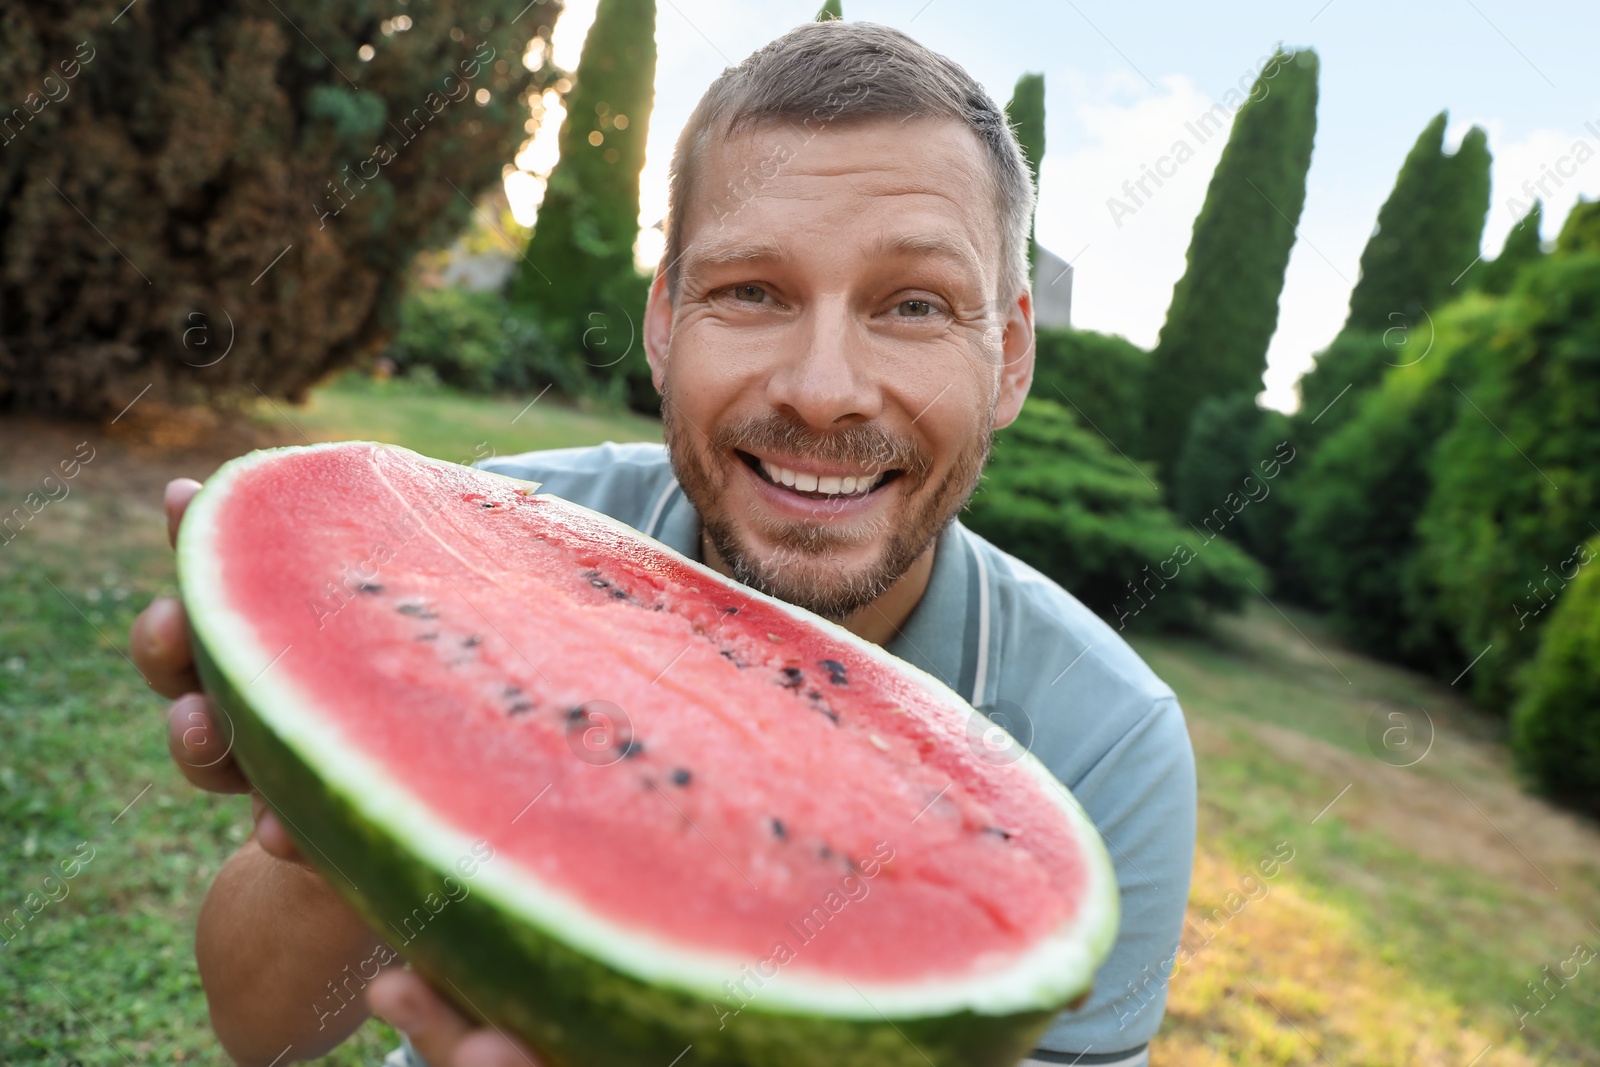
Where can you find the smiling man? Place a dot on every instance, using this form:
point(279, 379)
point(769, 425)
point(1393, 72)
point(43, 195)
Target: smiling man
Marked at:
point(841, 322)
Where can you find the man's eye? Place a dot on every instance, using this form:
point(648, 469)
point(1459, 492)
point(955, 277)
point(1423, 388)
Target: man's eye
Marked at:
point(914, 309)
point(753, 294)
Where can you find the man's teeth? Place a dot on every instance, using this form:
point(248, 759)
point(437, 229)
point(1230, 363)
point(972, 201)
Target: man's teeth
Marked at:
point(831, 485)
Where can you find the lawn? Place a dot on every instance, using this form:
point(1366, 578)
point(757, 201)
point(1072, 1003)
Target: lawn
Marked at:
point(1419, 904)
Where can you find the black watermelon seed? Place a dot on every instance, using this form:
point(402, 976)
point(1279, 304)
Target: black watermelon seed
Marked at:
point(434, 636)
point(632, 748)
point(814, 694)
point(730, 611)
point(574, 714)
point(792, 678)
point(619, 594)
point(1004, 835)
point(778, 830)
point(824, 852)
point(370, 587)
point(830, 713)
point(512, 691)
point(599, 583)
point(835, 671)
point(519, 707)
point(471, 641)
point(680, 777)
point(487, 504)
point(419, 611)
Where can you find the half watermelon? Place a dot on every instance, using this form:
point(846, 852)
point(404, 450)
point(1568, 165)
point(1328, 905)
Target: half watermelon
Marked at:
point(618, 804)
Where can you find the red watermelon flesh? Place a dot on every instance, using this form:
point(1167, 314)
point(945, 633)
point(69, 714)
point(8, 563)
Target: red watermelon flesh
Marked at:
point(677, 771)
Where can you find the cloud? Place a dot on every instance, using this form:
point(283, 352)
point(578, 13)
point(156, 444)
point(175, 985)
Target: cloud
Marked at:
point(1127, 247)
point(1553, 165)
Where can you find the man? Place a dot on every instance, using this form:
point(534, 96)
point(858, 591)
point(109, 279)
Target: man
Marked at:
point(841, 321)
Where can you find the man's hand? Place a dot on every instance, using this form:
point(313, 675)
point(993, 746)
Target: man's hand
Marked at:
point(159, 641)
point(440, 1034)
point(264, 987)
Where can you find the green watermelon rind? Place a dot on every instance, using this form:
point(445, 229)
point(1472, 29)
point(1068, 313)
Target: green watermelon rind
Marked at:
point(578, 988)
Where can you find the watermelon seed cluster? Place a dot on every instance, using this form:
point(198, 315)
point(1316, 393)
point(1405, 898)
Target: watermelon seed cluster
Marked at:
point(790, 676)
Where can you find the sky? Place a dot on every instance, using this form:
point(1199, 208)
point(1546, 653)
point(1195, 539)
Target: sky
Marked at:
point(1123, 79)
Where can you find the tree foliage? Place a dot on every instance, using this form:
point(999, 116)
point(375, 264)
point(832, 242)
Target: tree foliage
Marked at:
point(1225, 307)
point(1056, 497)
point(474, 342)
point(1515, 479)
point(1522, 247)
point(1100, 376)
point(578, 278)
point(1581, 231)
point(1352, 364)
point(1226, 478)
point(220, 198)
point(1428, 232)
point(1025, 111)
point(1555, 730)
point(1353, 541)
point(830, 11)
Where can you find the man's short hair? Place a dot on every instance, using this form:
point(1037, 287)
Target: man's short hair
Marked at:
point(835, 72)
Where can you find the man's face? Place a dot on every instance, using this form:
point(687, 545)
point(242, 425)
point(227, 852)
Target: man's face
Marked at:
point(836, 360)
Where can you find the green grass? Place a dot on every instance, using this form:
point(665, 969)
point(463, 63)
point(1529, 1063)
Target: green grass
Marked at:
point(105, 974)
point(1477, 935)
point(1424, 910)
point(448, 425)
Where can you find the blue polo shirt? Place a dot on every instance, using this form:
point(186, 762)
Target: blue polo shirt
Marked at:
point(1020, 648)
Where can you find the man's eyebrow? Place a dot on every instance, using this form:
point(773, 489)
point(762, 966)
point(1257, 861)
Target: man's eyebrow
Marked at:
point(931, 245)
point(695, 259)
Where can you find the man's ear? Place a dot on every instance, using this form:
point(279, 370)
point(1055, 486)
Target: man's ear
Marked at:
point(1016, 373)
point(658, 328)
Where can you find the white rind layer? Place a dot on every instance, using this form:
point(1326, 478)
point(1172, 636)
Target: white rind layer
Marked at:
point(1055, 970)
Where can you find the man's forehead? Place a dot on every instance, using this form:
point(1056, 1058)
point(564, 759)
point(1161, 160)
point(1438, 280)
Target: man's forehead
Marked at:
point(915, 186)
point(713, 249)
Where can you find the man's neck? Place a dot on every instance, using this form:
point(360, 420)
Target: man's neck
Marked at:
point(880, 620)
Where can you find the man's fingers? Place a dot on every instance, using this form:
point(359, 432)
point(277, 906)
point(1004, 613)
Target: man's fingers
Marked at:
point(442, 1035)
point(272, 835)
point(158, 641)
point(201, 746)
point(179, 492)
point(491, 1048)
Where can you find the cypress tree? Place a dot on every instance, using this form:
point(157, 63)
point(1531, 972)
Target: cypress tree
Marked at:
point(578, 279)
point(1581, 231)
point(1522, 247)
point(1429, 232)
point(1026, 114)
point(1418, 259)
point(1225, 307)
point(830, 11)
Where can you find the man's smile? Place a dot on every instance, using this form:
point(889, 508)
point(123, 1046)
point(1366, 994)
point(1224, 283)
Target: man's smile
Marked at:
point(817, 480)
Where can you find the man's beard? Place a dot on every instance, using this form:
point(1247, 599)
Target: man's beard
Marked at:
point(805, 569)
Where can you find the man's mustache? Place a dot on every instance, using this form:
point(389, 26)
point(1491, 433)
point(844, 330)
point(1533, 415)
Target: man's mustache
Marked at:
point(863, 444)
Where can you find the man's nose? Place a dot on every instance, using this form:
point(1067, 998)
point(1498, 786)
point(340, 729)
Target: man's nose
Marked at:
point(825, 373)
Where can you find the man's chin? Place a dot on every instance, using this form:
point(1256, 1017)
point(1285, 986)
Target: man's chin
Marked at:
point(831, 585)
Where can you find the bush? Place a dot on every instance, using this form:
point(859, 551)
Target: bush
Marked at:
point(1516, 481)
point(474, 342)
point(1100, 376)
point(1555, 731)
point(1352, 540)
point(1057, 498)
point(1347, 368)
point(1223, 481)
